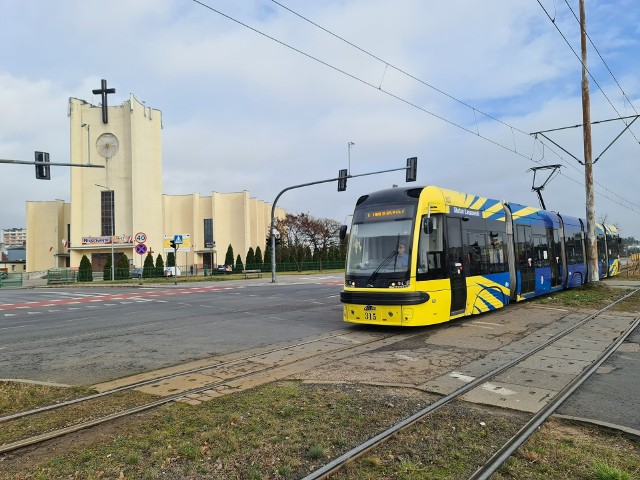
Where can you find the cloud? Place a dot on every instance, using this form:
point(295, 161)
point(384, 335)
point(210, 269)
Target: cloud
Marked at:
point(243, 112)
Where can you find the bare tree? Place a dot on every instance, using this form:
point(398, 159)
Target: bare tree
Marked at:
point(320, 233)
point(303, 232)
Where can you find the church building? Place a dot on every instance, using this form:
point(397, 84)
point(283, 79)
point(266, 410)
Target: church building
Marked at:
point(120, 209)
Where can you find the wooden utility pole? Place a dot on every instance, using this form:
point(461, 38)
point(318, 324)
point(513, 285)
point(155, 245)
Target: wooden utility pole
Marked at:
point(592, 250)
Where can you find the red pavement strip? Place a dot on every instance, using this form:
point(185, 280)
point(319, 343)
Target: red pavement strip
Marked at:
point(106, 298)
point(121, 296)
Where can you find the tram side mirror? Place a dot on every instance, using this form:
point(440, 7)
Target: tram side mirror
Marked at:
point(428, 225)
point(343, 232)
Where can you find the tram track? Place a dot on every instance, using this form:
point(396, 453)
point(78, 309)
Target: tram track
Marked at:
point(352, 346)
point(503, 452)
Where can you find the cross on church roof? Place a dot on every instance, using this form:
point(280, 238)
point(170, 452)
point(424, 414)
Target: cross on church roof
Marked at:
point(104, 91)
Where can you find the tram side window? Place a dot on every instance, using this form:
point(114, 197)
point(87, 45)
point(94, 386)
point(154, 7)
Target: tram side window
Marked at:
point(557, 249)
point(541, 251)
point(524, 246)
point(497, 253)
point(431, 248)
point(477, 253)
point(485, 252)
point(613, 243)
point(573, 246)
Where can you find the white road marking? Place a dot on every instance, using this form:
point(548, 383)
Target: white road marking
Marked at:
point(489, 387)
point(17, 326)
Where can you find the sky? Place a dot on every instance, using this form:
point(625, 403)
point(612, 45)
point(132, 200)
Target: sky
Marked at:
point(259, 95)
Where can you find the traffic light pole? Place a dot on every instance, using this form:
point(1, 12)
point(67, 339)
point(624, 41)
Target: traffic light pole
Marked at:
point(410, 165)
point(42, 165)
point(55, 164)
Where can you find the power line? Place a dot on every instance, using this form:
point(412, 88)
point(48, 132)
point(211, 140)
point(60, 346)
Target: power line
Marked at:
point(389, 64)
point(401, 99)
point(553, 20)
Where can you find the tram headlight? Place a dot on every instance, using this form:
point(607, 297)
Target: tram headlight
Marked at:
point(400, 284)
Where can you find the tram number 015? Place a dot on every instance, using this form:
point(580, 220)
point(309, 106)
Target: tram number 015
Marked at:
point(369, 316)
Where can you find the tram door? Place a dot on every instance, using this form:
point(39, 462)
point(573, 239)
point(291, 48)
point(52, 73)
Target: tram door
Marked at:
point(525, 259)
point(553, 243)
point(456, 270)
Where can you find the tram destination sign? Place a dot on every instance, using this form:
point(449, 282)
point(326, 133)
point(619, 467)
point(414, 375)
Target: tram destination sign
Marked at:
point(386, 213)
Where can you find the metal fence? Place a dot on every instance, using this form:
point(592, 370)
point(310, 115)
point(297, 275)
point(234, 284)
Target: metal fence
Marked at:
point(10, 279)
point(67, 275)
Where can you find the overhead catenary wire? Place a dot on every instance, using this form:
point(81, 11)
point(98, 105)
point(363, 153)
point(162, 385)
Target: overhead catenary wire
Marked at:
point(451, 97)
point(603, 60)
point(409, 102)
point(553, 21)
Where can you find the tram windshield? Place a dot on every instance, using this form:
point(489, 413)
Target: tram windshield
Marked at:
point(380, 247)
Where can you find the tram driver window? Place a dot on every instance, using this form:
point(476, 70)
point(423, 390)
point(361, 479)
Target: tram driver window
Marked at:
point(431, 248)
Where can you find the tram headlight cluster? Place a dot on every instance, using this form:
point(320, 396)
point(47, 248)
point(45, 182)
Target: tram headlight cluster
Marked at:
point(400, 284)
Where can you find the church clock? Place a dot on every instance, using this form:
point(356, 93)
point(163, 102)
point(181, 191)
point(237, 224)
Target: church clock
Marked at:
point(107, 145)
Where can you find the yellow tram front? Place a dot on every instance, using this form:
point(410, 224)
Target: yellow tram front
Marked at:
point(382, 260)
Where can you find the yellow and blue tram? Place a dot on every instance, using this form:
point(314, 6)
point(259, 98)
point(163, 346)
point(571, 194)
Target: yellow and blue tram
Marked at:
point(419, 256)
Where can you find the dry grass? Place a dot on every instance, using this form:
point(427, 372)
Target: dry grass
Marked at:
point(286, 429)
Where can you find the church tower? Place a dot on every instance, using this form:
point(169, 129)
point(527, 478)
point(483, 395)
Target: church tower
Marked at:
point(114, 203)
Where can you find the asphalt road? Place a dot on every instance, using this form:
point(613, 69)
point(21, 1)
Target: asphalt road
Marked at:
point(91, 335)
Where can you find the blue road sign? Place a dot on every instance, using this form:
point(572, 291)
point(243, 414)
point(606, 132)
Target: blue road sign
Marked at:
point(177, 239)
point(141, 249)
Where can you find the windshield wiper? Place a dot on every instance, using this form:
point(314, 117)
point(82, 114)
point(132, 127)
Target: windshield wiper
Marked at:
point(392, 256)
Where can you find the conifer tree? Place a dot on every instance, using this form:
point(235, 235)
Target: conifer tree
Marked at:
point(251, 258)
point(228, 259)
point(85, 274)
point(239, 266)
point(159, 266)
point(148, 270)
point(122, 268)
point(258, 258)
point(106, 271)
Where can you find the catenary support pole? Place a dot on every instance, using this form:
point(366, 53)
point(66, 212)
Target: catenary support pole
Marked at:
point(592, 249)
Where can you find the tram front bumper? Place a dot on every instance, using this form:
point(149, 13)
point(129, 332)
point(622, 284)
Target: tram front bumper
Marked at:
point(377, 314)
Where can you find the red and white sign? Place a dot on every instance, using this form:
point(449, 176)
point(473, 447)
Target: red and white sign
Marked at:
point(141, 237)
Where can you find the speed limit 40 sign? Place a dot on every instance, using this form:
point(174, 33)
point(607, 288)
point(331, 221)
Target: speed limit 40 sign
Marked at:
point(140, 237)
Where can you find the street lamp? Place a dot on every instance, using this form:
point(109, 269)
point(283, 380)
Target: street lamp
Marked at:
point(88, 141)
point(113, 226)
point(349, 145)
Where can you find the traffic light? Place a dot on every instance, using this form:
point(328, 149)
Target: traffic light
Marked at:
point(172, 243)
point(412, 169)
point(42, 169)
point(342, 180)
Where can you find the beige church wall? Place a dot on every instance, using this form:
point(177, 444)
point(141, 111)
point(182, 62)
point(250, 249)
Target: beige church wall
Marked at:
point(229, 226)
point(179, 220)
point(240, 221)
point(146, 173)
point(44, 238)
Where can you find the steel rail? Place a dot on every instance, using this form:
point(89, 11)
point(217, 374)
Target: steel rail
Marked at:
point(335, 465)
point(165, 377)
point(133, 410)
point(486, 470)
